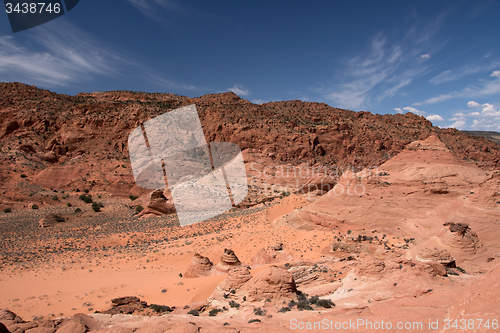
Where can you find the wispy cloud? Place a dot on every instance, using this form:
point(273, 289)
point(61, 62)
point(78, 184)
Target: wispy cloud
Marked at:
point(60, 54)
point(495, 74)
point(239, 90)
point(56, 57)
point(153, 9)
point(382, 71)
point(484, 64)
point(485, 88)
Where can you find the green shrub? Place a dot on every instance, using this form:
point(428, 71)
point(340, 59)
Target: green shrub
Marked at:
point(69, 204)
point(255, 320)
point(213, 312)
point(284, 309)
point(259, 312)
point(86, 191)
point(160, 308)
point(139, 209)
point(325, 303)
point(96, 207)
point(78, 210)
point(194, 313)
point(132, 197)
point(7, 210)
point(58, 218)
point(304, 305)
point(34, 206)
point(88, 199)
point(55, 198)
point(23, 175)
point(233, 304)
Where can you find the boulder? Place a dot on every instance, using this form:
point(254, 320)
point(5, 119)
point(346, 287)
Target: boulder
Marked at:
point(271, 283)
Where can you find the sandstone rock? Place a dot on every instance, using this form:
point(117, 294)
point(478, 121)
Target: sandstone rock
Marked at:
point(199, 266)
point(437, 255)
point(48, 156)
point(50, 220)
point(228, 260)
point(158, 204)
point(462, 236)
point(126, 305)
point(439, 269)
point(49, 330)
point(6, 314)
point(3, 329)
point(271, 283)
point(269, 255)
point(236, 278)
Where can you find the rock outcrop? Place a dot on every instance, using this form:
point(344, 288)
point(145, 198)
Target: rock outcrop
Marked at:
point(228, 260)
point(272, 283)
point(158, 204)
point(199, 266)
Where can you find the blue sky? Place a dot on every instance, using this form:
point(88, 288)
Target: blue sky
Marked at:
point(440, 59)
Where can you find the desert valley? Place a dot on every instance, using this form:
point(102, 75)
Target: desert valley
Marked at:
point(353, 221)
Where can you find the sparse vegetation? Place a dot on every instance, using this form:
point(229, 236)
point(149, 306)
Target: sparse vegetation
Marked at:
point(78, 210)
point(58, 218)
point(69, 204)
point(96, 207)
point(255, 320)
point(34, 206)
point(23, 175)
point(132, 197)
point(160, 308)
point(194, 312)
point(233, 304)
point(7, 210)
point(214, 312)
point(284, 309)
point(139, 209)
point(259, 312)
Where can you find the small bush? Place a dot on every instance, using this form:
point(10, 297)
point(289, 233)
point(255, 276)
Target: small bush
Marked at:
point(86, 191)
point(7, 210)
point(82, 197)
point(23, 175)
point(69, 204)
point(139, 209)
point(55, 198)
point(194, 313)
point(259, 312)
point(284, 309)
point(88, 199)
point(213, 312)
point(304, 305)
point(233, 304)
point(132, 197)
point(96, 207)
point(255, 320)
point(325, 303)
point(58, 218)
point(160, 308)
point(314, 299)
point(34, 206)
point(78, 210)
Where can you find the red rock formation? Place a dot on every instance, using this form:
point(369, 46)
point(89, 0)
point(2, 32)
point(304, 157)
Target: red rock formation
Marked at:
point(228, 260)
point(271, 283)
point(199, 266)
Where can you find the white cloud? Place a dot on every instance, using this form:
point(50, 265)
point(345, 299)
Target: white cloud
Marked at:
point(495, 74)
point(410, 109)
point(150, 7)
point(239, 90)
point(258, 101)
point(434, 117)
point(459, 124)
point(473, 104)
point(425, 56)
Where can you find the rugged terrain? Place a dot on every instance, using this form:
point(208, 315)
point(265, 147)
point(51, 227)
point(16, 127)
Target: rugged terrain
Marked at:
point(408, 234)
